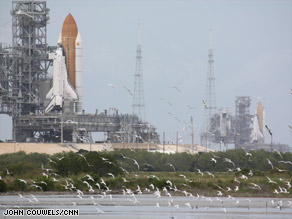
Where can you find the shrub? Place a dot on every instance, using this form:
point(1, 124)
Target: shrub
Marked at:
point(3, 186)
point(18, 185)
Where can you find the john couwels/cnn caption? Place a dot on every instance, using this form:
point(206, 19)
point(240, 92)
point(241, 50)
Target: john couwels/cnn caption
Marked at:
point(41, 212)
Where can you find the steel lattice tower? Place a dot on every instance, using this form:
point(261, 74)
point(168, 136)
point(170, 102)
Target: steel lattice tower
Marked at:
point(138, 97)
point(210, 100)
point(29, 25)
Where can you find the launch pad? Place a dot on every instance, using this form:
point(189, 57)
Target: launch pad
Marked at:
point(78, 128)
point(26, 88)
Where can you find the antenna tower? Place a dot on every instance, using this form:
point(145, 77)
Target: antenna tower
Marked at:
point(138, 98)
point(210, 100)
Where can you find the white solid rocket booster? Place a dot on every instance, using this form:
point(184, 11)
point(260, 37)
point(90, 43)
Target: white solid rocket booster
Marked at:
point(60, 39)
point(78, 72)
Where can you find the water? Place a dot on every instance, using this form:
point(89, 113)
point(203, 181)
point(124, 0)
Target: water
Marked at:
point(123, 206)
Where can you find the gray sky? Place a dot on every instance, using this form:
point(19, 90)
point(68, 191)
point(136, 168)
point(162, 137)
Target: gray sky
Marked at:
point(252, 53)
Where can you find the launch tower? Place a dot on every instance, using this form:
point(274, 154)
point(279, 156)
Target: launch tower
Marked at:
point(243, 121)
point(210, 101)
point(138, 98)
point(26, 63)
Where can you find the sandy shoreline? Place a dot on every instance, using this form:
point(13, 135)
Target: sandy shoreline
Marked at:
point(53, 148)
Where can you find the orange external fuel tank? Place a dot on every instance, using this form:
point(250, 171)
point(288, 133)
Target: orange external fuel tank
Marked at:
point(69, 34)
point(260, 115)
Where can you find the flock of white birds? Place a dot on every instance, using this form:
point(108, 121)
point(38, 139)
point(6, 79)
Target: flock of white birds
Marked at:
point(98, 190)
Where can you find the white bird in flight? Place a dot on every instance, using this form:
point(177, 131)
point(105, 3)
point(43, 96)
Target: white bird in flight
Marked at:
point(248, 154)
point(271, 181)
point(171, 165)
point(199, 171)
point(205, 104)
point(89, 177)
point(128, 89)
point(175, 87)
point(190, 107)
point(278, 153)
point(183, 176)
point(215, 156)
point(110, 174)
point(112, 85)
point(280, 170)
point(166, 101)
point(169, 182)
point(136, 163)
point(270, 163)
point(188, 204)
point(256, 186)
point(153, 176)
point(22, 180)
point(51, 161)
point(98, 185)
point(229, 161)
point(286, 162)
point(210, 174)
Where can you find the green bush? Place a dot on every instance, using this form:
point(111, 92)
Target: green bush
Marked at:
point(24, 168)
point(17, 185)
point(3, 186)
point(92, 163)
point(198, 185)
point(211, 185)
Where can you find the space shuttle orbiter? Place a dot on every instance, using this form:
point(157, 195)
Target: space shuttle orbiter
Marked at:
point(61, 86)
point(257, 133)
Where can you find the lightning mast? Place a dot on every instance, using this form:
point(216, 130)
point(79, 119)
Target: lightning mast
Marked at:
point(210, 100)
point(138, 97)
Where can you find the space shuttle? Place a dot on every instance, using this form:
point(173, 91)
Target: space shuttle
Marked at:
point(257, 133)
point(67, 69)
point(61, 86)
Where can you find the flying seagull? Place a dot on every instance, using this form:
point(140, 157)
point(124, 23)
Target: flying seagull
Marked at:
point(112, 85)
point(205, 104)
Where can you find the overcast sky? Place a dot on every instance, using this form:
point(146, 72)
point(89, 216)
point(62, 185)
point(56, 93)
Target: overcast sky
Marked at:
point(252, 43)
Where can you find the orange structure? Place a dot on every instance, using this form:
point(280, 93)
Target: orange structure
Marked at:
point(260, 115)
point(69, 34)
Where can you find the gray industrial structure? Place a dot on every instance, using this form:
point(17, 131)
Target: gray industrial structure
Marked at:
point(77, 128)
point(227, 129)
point(243, 121)
point(222, 128)
point(24, 65)
point(24, 83)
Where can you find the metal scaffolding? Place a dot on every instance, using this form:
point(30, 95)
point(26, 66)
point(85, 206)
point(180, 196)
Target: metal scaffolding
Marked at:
point(24, 65)
point(6, 100)
point(29, 46)
point(78, 127)
point(243, 121)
